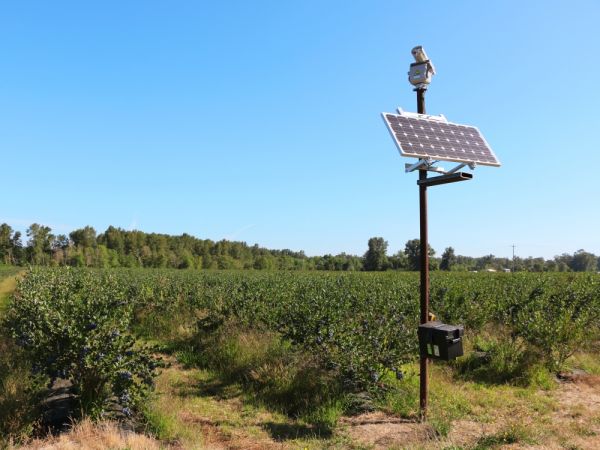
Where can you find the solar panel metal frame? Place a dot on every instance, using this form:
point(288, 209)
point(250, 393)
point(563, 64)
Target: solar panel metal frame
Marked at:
point(438, 155)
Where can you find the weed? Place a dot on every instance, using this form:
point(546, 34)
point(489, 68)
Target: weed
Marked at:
point(275, 373)
point(402, 398)
point(327, 415)
point(512, 434)
point(158, 424)
point(500, 359)
point(189, 356)
point(19, 393)
point(539, 376)
point(588, 362)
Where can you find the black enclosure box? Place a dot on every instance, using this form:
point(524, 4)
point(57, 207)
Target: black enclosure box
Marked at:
point(438, 340)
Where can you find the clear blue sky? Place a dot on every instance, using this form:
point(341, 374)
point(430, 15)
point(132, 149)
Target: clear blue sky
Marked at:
point(260, 121)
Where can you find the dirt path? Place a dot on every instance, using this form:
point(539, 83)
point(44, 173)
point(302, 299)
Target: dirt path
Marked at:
point(578, 419)
point(573, 423)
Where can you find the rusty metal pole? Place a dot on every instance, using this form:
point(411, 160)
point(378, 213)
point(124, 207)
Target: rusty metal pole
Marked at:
point(424, 262)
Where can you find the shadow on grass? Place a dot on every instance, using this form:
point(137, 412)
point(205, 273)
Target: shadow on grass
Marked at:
point(499, 366)
point(285, 432)
point(211, 386)
point(263, 370)
point(218, 388)
point(208, 385)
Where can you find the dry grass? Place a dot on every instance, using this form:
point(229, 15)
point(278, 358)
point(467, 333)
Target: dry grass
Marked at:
point(7, 286)
point(17, 392)
point(95, 436)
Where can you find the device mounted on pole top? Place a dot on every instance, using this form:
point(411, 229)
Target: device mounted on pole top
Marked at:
point(431, 139)
point(421, 70)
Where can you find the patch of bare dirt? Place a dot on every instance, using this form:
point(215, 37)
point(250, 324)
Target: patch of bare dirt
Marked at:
point(574, 424)
point(381, 431)
point(466, 432)
point(578, 395)
point(579, 411)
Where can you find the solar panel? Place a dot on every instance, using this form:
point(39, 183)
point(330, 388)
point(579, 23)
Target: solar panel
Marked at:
point(426, 137)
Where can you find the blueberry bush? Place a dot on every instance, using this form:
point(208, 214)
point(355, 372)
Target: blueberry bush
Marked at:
point(75, 325)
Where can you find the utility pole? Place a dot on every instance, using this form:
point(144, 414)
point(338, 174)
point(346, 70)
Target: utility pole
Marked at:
point(513, 260)
point(431, 139)
point(424, 262)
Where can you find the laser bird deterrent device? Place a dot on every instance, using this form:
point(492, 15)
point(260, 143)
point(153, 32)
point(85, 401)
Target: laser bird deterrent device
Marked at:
point(432, 139)
point(422, 69)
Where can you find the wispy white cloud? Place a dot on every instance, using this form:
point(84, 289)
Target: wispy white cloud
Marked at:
point(236, 233)
point(25, 223)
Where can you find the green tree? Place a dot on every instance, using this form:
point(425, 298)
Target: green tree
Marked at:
point(583, 261)
point(263, 262)
point(84, 237)
point(39, 246)
point(448, 259)
point(485, 262)
point(412, 249)
point(60, 246)
point(114, 239)
point(375, 258)
point(10, 245)
point(399, 261)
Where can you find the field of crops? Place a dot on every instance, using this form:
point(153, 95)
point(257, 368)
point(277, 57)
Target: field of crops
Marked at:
point(306, 338)
point(363, 324)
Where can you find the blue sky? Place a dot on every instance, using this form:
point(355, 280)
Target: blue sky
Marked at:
point(260, 121)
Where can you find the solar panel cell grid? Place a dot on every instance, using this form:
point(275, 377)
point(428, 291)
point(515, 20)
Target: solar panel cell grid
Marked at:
point(427, 138)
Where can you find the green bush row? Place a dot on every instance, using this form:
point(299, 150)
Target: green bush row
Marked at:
point(360, 324)
point(75, 325)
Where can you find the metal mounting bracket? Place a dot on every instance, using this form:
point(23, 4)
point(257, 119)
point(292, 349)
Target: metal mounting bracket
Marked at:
point(460, 166)
point(420, 164)
point(423, 164)
point(444, 179)
point(429, 165)
point(440, 118)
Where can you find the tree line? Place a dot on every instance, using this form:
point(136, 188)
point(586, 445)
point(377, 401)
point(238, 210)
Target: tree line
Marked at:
point(117, 247)
point(409, 259)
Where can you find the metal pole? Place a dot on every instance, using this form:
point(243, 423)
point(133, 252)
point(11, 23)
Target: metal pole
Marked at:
point(513, 261)
point(424, 261)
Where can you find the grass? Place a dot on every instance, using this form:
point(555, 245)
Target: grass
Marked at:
point(8, 282)
point(512, 434)
point(87, 435)
point(231, 384)
point(588, 362)
point(272, 373)
point(18, 391)
point(452, 399)
point(196, 409)
point(248, 384)
point(19, 394)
